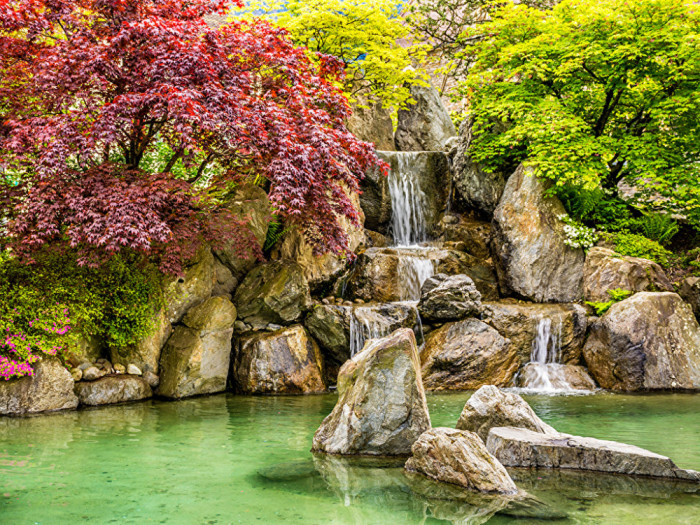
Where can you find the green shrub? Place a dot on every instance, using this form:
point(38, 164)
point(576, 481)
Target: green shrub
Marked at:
point(616, 295)
point(635, 245)
point(658, 227)
point(597, 208)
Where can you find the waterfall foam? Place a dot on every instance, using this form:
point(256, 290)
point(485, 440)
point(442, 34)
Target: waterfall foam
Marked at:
point(547, 373)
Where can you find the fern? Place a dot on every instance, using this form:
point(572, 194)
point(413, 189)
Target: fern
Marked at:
point(275, 232)
point(616, 295)
point(658, 227)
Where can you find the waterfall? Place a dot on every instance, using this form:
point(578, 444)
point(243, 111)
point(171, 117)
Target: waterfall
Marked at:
point(370, 322)
point(412, 273)
point(546, 373)
point(408, 202)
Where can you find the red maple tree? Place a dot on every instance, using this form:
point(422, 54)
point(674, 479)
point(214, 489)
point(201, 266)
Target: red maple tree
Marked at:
point(89, 89)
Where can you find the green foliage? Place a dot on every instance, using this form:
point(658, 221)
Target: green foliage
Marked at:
point(658, 227)
point(275, 231)
point(616, 295)
point(635, 245)
point(577, 235)
point(363, 35)
point(592, 93)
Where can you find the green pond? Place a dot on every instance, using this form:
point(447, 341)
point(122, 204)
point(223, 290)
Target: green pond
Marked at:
point(232, 459)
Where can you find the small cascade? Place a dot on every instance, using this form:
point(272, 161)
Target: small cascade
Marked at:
point(371, 322)
point(413, 271)
point(545, 372)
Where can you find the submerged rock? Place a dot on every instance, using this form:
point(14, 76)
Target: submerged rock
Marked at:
point(605, 270)
point(650, 341)
point(459, 457)
point(491, 407)
point(449, 298)
point(424, 125)
point(523, 448)
point(381, 408)
point(529, 251)
point(466, 355)
point(50, 388)
point(113, 389)
point(287, 361)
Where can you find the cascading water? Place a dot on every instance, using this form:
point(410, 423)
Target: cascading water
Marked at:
point(545, 372)
point(366, 323)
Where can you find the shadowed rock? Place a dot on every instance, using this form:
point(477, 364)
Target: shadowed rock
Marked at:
point(449, 298)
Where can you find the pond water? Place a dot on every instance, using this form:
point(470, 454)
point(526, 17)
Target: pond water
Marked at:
point(231, 459)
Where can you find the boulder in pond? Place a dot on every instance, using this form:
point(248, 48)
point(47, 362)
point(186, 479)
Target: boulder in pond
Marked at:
point(425, 124)
point(113, 389)
point(49, 388)
point(287, 361)
point(381, 408)
point(449, 298)
point(605, 270)
point(529, 248)
point(275, 292)
point(467, 355)
point(491, 407)
point(196, 358)
point(523, 448)
point(459, 457)
point(650, 341)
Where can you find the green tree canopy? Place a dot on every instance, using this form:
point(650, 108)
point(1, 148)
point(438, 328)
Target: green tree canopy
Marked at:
point(593, 93)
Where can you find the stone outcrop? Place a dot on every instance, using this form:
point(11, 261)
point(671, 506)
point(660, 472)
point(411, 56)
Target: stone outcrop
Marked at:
point(468, 235)
point(192, 288)
point(375, 201)
point(146, 353)
point(490, 407)
point(466, 355)
point(605, 270)
point(561, 377)
point(449, 298)
point(459, 457)
point(519, 447)
point(424, 125)
point(112, 389)
point(196, 358)
point(276, 292)
point(50, 388)
point(650, 341)
point(381, 408)
point(528, 244)
point(518, 321)
point(287, 361)
point(690, 292)
point(370, 122)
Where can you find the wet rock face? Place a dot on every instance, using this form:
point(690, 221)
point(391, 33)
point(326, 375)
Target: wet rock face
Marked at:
point(528, 244)
point(196, 358)
point(276, 292)
point(193, 288)
point(459, 457)
point(113, 389)
point(467, 355)
point(605, 270)
point(519, 447)
point(50, 388)
point(287, 361)
point(491, 407)
point(425, 125)
point(650, 341)
point(562, 377)
point(449, 298)
point(381, 408)
point(518, 321)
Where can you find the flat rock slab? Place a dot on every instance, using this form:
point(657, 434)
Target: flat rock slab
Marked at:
point(112, 389)
point(519, 447)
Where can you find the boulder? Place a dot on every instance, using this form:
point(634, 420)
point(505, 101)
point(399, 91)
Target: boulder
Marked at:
point(466, 355)
point(650, 341)
point(523, 448)
point(146, 353)
point(196, 358)
point(459, 457)
point(93, 373)
point(370, 122)
point(469, 235)
point(287, 361)
point(276, 292)
point(375, 201)
point(225, 282)
point(520, 322)
point(112, 389)
point(491, 407)
point(690, 292)
point(192, 288)
point(480, 190)
point(561, 377)
point(249, 201)
point(424, 125)
point(605, 270)
point(381, 408)
point(449, 298)
point(50, 388)
point(528, 243)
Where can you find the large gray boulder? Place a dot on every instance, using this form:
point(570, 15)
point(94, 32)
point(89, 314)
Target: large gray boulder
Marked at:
point(276, 292)
point(196, 358)
point(523, 448)
point(529, 251)
point(605, 270)
point(467, 355)
point(50, 388)
point(459, 457)
point(287, 361)
point(449, 298)
point(192, 288)
point(424, 125)
point(491, 407)
point(650, 341)
point(112, 389)
point(381, 408)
